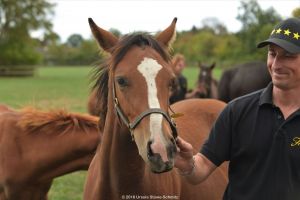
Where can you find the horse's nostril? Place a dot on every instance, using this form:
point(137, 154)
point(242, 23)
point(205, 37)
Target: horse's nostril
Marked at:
point(149, 151)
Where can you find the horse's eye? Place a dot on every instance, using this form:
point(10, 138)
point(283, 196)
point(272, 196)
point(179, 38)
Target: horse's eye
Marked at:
point(122, 82)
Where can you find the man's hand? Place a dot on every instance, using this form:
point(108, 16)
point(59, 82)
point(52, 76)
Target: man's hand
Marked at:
point(184, 159)
point(195, 168)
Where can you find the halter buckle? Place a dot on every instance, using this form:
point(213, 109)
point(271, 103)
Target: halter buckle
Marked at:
point(116, 101)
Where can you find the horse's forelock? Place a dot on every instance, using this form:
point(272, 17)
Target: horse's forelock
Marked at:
point(138, 39)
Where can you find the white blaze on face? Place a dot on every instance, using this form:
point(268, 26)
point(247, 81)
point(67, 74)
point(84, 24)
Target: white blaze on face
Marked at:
point(149, 68)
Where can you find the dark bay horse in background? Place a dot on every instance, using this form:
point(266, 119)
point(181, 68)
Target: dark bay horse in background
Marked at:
point(36, 147)
point(138, 147)
point(206, 86)
point(243, 79)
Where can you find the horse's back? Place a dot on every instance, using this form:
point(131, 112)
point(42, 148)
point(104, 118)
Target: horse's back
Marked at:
point(250, 77)
point(194, 126)
point(199, 106)
point(224, 84)
point(198, 118)
point(243, 79)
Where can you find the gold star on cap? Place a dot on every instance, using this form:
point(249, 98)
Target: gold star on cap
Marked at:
point(278, 30)
point(296, 36)
point(287, 32)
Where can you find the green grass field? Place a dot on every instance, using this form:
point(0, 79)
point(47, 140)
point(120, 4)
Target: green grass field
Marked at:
point(55, 88)
point(65, 87)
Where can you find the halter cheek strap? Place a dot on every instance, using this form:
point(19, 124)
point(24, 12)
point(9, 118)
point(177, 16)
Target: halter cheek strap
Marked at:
point(140, 117)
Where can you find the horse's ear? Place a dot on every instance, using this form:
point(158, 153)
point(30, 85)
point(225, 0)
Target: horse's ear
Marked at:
point(105, 39)
point(168, 36)
point(213, 65)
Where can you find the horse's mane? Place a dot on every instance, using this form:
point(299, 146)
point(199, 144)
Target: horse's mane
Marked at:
point(100, 75)
point(59, 121)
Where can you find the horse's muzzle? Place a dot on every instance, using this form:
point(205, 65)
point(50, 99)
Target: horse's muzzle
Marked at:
point(157, 163)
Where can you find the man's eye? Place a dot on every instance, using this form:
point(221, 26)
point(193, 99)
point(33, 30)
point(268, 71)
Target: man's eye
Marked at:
point(287, 54)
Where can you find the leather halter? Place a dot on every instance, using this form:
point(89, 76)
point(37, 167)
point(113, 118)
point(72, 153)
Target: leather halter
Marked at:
point(132, 125)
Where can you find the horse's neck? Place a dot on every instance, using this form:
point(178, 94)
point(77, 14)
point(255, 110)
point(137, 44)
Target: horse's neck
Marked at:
point(66, 153)
point(119, 158)
point(69, 166)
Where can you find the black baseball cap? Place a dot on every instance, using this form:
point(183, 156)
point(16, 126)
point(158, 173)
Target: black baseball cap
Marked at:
point(286, 34)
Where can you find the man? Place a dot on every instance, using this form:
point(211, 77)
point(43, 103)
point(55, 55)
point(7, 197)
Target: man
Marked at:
point(258, 133)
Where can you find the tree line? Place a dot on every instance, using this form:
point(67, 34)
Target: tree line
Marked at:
point(210, 43)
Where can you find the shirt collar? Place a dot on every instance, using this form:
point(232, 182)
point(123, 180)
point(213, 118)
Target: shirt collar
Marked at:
point(266, 95)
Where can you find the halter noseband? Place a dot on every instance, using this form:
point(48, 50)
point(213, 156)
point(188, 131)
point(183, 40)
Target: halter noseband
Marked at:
point(132, 125)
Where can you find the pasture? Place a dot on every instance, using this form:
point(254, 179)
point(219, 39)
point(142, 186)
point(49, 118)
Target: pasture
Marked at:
point(61, 87)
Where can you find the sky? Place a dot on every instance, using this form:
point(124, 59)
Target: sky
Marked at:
point(71, 16)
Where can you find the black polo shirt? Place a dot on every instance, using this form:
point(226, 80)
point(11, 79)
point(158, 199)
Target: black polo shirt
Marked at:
point(263, 149)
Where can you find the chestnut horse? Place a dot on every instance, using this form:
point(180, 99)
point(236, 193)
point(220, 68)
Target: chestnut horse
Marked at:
point(206, 86)
point(36, 147)
point(137, 152)
point(5, 108)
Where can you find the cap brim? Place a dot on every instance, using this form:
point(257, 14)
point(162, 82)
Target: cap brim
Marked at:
point(282, 43)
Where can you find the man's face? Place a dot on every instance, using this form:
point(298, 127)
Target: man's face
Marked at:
point(284, 68)
point(179, 67)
